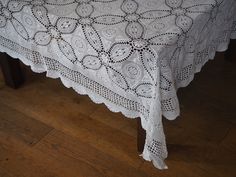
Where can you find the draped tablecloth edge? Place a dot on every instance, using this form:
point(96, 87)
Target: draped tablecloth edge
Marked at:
point(98, 99)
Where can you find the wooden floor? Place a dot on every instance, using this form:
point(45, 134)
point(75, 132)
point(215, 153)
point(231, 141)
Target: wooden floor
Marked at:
point(47, 130)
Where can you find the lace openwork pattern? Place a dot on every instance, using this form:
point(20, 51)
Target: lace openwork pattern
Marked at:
point(131, 55)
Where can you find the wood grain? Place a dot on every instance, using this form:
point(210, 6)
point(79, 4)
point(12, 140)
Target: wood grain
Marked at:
point(22, 127)
point(23, 161)
point(61, 145)
point(73, 137)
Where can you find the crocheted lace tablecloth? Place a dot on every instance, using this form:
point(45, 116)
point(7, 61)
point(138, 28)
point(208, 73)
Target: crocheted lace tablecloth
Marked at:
point(131, 55)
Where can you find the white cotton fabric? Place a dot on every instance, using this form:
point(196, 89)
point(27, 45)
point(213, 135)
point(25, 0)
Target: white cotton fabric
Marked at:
point(131, 55)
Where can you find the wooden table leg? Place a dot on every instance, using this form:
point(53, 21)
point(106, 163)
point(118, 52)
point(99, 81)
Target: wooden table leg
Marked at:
point(141, 136)
point(230, 54)
point(12, 72)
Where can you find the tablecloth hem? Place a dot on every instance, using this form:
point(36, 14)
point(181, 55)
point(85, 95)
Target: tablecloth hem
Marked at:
point(99, 99)
point(160, 165)
point(221, 48)
point(69, 84)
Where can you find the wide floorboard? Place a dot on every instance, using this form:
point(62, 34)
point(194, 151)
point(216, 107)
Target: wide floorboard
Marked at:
point(47, 130)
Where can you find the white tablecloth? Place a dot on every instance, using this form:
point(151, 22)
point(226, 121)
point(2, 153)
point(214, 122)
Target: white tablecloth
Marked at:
point(131, 55)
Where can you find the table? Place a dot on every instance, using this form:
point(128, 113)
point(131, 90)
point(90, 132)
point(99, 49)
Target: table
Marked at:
point(131, 55)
